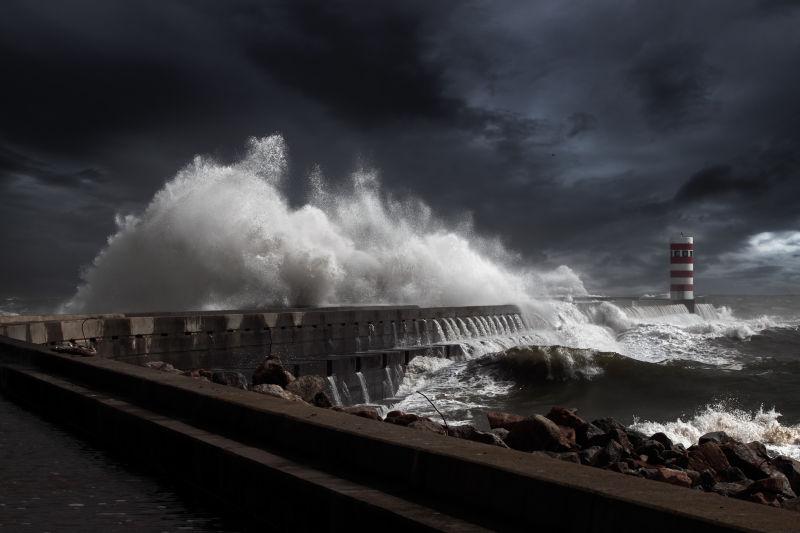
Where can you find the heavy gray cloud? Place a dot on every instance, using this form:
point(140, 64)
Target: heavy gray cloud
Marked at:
point(581, 133)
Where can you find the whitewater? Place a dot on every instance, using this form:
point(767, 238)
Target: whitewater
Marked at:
point(224, 235)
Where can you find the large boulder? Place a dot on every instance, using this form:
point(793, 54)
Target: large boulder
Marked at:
point(229, 378)
point(426, 424)
point(789, 468)
point(537, 433)
point(708, 456)
point(507, 421)
point(468, 432)
point(364, 411)
point(750, 462)
point(566, 417)
point(271, 372)
point(586, 432)
point(400, 418)
point(776, 484)
point(271, 389)
point(673, 477)
point(615, 434)
point(717, 437)
point(308, 388)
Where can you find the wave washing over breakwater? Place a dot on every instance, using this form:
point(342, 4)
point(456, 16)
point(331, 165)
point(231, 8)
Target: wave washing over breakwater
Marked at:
point(658, 368)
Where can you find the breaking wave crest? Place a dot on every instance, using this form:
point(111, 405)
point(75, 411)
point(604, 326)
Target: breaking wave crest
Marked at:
point(225, 236)
point(761, 425)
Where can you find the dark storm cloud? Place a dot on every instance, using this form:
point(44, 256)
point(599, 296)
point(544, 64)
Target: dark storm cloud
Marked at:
point(581, 133)
point(716, 182)
point(674, 84)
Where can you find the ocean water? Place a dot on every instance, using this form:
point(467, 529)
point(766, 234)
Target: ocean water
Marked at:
point(734, 366)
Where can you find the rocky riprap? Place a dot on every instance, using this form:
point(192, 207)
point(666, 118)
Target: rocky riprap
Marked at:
point(717, 463)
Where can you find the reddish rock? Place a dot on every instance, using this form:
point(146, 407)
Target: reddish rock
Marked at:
point(789, 468)
point(400, 418)
point(776, 484)
point(565, 417)
point(569, 434)
point(276, 391)
point(732, 489)
point(673, 477)
point(708, 456)
point(537, 433)
point(498, 419)
point(426, 424)
point(743, 457)
point(271, 372)
point(364, 411)
point(468, 432)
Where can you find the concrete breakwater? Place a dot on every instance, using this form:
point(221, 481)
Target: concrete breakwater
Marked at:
point(363, 350)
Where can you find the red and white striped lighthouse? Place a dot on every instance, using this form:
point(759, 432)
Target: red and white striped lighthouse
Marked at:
point(681, 270)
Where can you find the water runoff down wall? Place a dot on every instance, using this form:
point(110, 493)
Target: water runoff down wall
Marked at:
point(362, 351)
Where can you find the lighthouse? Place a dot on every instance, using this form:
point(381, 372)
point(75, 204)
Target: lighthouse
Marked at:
point(681, 270)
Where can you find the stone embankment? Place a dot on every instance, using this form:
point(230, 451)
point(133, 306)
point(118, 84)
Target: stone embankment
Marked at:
point(718, 463)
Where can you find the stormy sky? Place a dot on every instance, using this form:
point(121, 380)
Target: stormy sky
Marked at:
point(581, 133)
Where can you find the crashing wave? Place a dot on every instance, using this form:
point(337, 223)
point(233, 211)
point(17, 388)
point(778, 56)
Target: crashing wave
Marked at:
point(225, 236)
point(555, 363)
point(744, 426)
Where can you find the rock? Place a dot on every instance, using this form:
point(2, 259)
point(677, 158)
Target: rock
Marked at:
point(569, 435)
point(663, 439)
point(426, 424)
point(308, 387)
point(364, 411)
point(695, 476)
point(652, 449)
point(537, 433)
point(673, 477)
point(743, 457)
point(708, 479)
point(271, 371)
point(163, 367)
point(566, 417)
point(400, 418)
point(570, 457)
point(480, 421)
point(500, 432)
point(732, 489)
point(229, 378)
point(276, 391)
point(792, 504)
point(717, 437)
point(620, 466)
point(613, 452)
point(498, 419)
point(708, 456)
point(198, 373)
point(607, 424)
point(468, 432)
point(614, 434)
point(733, 474)
point(763, 499)
point(586, 432)
point(635, 437)
point(789, 468)
point(591, 455)
point(321, 399)
point(776, 484)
